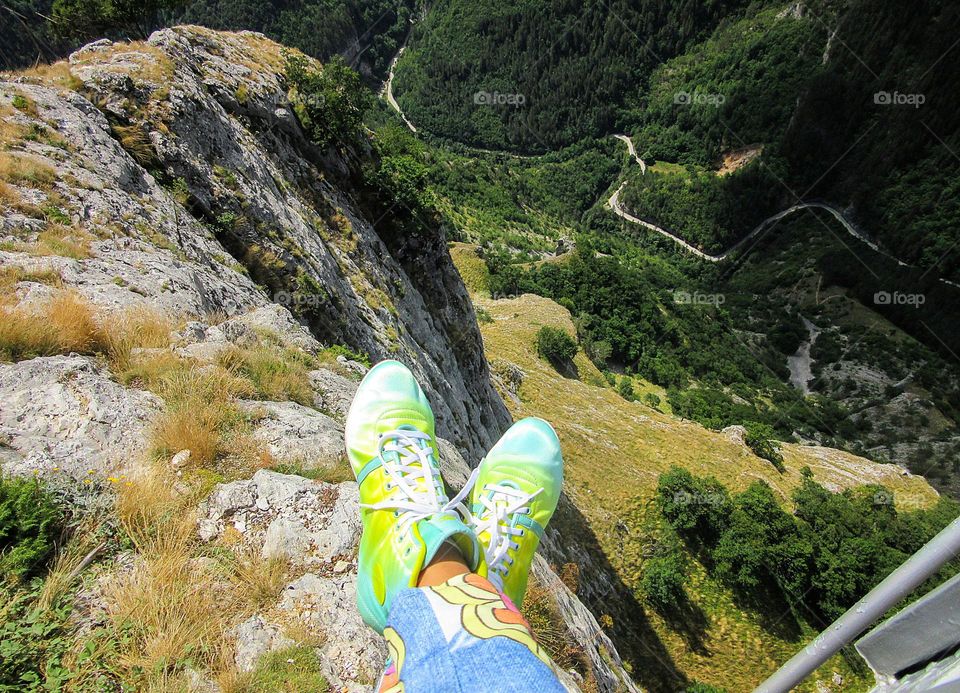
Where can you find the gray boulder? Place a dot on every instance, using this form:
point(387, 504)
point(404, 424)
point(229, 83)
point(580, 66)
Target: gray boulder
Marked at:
point(64, 415)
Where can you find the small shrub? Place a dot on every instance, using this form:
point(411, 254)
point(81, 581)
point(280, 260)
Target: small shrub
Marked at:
point(340, 350)
point(31, 524)
point(652, 400)
point(760, 439)
point(601, 351)
point(483, 316)
point(555, 345)
point(34, 642)
point(22, 103)
point(550, 630)
point(625, 389)
point(662, 582)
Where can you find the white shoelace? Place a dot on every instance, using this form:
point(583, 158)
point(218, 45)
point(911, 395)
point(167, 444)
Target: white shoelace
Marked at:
point(418, 489)
point(496, 520)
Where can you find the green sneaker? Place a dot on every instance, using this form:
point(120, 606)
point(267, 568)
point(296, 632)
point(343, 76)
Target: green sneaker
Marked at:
point(516, 492)
point(405, 511)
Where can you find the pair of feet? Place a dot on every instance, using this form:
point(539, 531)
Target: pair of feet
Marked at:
point(407, 516)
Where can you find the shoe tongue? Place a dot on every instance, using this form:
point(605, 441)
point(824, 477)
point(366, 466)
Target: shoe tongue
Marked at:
point(438, 530)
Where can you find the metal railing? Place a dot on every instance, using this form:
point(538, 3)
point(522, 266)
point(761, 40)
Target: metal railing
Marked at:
point(899, 584)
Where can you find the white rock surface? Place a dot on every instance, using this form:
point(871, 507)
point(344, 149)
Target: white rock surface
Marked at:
point(63, 414)
point(298, 435)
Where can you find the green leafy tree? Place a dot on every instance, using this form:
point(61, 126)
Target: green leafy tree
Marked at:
point(696, 507)
point(555, 345)
point(662, 583)
point(625, 389)
point(329, 101)
point(760, 439)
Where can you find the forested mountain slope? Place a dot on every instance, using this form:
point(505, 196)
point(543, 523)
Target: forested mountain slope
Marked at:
point(572, 64)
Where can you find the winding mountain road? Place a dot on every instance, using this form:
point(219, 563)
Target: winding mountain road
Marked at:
point(387, 92)
point(617, 208)
point(633, 151)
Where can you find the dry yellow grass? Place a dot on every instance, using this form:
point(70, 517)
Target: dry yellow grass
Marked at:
point(140, 327)
point(167, 609)
point(11, 132)
point(136, 142)
point(259, 581)
point(11, 276)
point(144, 63)
point(149, 505)
point(55, 240)
point(277, 373)
point(26, 170)
point(200, 432)
point(63, 241)
point(52, 74)
point(71, 559)
point(200, 412)
point(67, 323)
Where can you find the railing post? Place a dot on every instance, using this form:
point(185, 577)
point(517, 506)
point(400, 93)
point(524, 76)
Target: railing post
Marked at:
point(899, 584)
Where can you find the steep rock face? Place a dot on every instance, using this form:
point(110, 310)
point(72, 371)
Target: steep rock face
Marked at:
point(249, 213)
point(211, 113)
point(192, 191)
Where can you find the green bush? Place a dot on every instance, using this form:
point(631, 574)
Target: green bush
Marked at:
point(329, 102)
point(695, 507)
point(625, 389)
point(33, 642)
point(30, 526)
point(760, 439)
point(662, 582)
point(555, 345)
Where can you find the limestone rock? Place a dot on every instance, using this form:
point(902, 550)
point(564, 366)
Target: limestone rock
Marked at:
point(246, 163)
point(333, 393)
point(65, 412)
point(312, 523)
point(297, 434)
point(255, 637)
